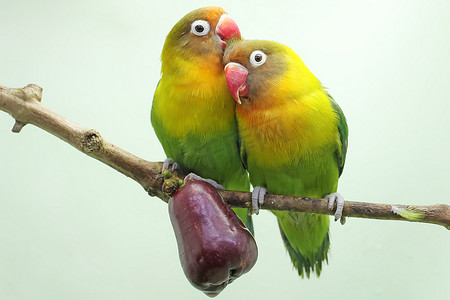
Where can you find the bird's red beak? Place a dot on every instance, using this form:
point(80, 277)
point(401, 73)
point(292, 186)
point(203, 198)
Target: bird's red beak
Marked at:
point(226, 29)
point(236, 77)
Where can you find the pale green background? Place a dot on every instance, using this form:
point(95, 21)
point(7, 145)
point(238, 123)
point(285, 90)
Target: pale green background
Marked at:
point(72, 228)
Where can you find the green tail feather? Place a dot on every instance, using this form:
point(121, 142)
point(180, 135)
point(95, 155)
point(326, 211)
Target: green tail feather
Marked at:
point(249, 224)
point(305, 265)
point(247, 219)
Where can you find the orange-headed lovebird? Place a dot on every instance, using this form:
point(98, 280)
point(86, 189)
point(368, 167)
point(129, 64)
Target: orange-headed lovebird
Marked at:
point(294, 140)
point(193, 113)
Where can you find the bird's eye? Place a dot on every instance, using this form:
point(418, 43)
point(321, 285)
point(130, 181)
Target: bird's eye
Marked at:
point(200, 27)
point(257, 58)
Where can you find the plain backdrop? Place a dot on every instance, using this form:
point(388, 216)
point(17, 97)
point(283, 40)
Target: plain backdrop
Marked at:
point(73, 228)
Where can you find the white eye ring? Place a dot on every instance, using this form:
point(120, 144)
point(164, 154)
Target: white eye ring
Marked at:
point(200, 27)
point(257, 58)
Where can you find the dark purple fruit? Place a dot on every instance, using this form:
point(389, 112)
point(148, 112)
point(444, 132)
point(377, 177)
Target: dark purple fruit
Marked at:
point(214, 246)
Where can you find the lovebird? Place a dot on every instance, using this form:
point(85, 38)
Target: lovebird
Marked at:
point(193, 114)
point(294, 140)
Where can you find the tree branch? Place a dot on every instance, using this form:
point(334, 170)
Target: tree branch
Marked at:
point(24, 105)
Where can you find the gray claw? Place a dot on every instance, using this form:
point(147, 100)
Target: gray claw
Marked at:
point(193, 176)
point(336, 197)
point(257, 199)
point(170, 164)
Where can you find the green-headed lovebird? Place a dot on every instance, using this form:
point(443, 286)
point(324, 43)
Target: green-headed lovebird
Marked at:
point(294, 140)
point(193, 114)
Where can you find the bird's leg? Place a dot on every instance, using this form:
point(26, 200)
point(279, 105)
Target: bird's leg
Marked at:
point(336, 197)
point(193, 176)
point(257, 199)
point(170, 164)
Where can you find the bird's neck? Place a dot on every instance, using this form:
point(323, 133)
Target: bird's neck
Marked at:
point(197, 98)
point(194, 71)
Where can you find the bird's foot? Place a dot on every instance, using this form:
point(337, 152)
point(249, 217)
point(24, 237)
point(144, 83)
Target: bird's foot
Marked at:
point(170, 165)
point(193, 176)
point(257, 199)
point(336, 197)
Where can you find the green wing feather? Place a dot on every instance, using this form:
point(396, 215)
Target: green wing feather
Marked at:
point(341, 153)
point(242, 153)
